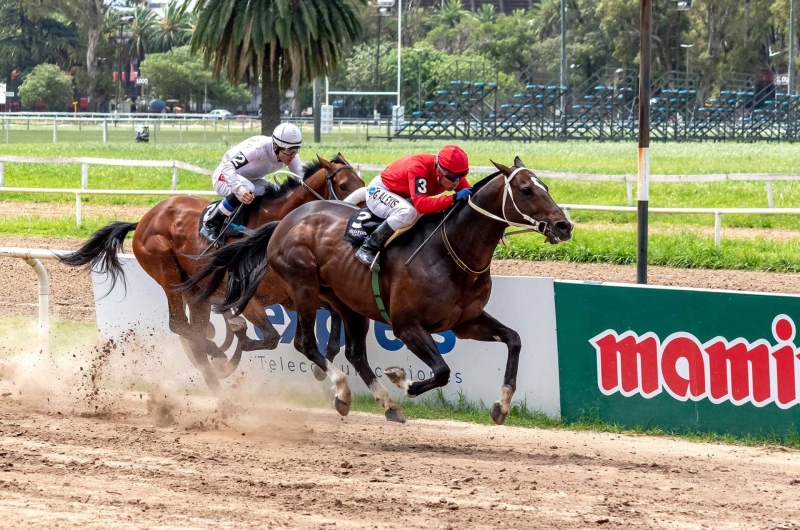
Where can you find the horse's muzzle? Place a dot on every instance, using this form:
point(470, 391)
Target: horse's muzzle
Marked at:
point(559, 232)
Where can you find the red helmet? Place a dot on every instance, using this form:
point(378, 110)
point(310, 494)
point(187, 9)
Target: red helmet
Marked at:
point(453, 159)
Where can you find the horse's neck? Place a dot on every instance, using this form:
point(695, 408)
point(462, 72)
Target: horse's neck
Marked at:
point(474, 236)
point(278, 208)
point(301, 195)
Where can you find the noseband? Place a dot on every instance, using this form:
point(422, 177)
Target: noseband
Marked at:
point(537, 226)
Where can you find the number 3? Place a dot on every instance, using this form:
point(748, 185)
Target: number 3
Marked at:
point(422, 185)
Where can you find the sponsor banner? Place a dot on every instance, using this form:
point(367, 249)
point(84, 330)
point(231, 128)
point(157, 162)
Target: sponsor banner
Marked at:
point(678, 358)
point(524, 304)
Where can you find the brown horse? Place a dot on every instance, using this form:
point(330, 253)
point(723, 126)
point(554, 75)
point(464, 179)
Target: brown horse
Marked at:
point(432, 294)
point(167, 246)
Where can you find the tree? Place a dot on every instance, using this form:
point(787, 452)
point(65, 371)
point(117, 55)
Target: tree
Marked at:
point(46, 84)
point(29, 36)
point(173, 30)
point(281, 41)
point(143, 30)
point(89, 15)
point(178, 74)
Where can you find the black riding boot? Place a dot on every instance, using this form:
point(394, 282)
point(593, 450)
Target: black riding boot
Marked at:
point(212, 225)
point(369, 249)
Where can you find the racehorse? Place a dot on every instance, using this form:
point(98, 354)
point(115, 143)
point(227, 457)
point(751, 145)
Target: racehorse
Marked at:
point(429, 295)
point(167, 246)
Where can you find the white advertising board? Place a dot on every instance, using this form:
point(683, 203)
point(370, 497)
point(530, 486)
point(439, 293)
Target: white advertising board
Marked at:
point(525, 304)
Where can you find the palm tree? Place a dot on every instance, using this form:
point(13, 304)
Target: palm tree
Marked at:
point(485, 14)
point(174, 29)
point(142, 30)
point(282, 41)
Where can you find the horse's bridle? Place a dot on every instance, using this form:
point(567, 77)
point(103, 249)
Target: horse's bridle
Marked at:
point(328, 178)
point(536, 226)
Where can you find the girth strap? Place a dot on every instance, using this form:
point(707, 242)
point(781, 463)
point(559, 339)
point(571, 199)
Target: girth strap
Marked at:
point(376, 290)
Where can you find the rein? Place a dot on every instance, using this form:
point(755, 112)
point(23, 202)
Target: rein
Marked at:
point(535, 226)
point(328, 180)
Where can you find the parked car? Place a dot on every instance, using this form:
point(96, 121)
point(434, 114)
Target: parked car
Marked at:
point(218, 114)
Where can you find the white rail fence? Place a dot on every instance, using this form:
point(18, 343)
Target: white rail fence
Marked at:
point(627, 179)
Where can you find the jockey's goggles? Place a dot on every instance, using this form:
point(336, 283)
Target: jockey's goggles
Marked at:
point(290, 150)
point(453, 177)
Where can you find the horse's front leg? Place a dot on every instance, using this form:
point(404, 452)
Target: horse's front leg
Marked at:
point(424, 347)
point(485, 328)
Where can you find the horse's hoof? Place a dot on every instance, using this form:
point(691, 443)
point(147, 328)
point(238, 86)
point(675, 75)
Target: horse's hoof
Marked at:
point(341, 407)
point(396, 375)
point(237, 324)
point(395, 415)
point(497, 413)
point(319, 373)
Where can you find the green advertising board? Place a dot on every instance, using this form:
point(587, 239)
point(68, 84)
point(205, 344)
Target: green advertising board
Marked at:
point(678, 358)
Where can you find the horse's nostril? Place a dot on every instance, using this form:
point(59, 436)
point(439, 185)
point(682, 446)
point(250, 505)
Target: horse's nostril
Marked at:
point(564, 225)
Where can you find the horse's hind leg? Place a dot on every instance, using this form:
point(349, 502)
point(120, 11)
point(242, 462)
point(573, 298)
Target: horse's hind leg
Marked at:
point(424, 347)
point(254, 312)
point(486, 328)
point(334, 342)
point(356, 329)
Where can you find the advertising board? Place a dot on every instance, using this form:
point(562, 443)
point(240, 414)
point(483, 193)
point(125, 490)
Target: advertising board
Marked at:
point(524, 304)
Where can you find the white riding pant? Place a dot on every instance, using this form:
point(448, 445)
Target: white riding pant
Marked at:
point(257, 187)
point(397, 211)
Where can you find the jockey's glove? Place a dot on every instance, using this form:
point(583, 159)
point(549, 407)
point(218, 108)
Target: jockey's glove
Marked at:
point(464, 194)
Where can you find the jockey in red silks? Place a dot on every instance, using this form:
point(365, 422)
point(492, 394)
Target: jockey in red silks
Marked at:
point(409, 186)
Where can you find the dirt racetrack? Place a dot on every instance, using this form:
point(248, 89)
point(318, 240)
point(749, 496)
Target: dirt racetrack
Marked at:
point(81, 456)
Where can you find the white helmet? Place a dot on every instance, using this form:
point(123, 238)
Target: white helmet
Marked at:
point(287, 136)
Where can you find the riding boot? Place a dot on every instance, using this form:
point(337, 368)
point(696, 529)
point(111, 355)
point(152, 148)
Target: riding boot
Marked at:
point(212, 225)
point(373, 244)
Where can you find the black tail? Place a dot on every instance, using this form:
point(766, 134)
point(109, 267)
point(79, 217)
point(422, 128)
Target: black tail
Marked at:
point(100, 252)
point(246, 263)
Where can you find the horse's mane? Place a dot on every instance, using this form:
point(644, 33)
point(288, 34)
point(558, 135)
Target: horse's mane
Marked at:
point(309, 168)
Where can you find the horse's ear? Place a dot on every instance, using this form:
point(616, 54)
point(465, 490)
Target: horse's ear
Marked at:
point(503, 169)
point(324, 163)
point(342, 158)
point(518, 162)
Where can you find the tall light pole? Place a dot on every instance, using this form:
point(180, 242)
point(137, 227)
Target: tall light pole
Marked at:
point(687, 46)
point(419, 77)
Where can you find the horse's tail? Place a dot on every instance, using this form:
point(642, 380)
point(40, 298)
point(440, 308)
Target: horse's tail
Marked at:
point(245, 261)
point(100, 252)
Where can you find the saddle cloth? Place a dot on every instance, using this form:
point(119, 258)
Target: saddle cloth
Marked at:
point(360, 225)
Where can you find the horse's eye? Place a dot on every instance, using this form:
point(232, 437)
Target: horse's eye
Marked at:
point(343, 187)
point(527, 192)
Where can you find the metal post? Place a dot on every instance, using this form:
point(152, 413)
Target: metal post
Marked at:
point(564, 71)
point(105, 130)
point(2, 174)
point(55, 131)
point(44, 303)
point(174, 178)
point(629, 190)
point(717, 229)
point(85, 176)
point(791, 47)
point(78, 209)
point(8, 127)
point(769, 194)
point(204, 130)
point(645, 18)
point(317, 112)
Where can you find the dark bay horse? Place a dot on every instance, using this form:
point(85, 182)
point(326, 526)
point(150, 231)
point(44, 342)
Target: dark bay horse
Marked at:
point(446, 287)
point(167, 245)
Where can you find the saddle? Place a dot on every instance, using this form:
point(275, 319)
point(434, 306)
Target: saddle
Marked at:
point(363, 222)
point(235, 225)
point(360, 225)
